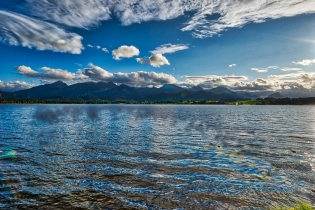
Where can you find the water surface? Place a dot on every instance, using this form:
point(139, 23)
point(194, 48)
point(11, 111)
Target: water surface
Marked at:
point(155, 156)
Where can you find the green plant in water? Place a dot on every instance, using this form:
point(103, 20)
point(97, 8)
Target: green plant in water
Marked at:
point(300, 206)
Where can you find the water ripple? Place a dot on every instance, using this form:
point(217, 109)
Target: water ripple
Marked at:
point(151, 156)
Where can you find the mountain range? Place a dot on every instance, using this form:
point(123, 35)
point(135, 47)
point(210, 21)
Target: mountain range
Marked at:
point(106, 90)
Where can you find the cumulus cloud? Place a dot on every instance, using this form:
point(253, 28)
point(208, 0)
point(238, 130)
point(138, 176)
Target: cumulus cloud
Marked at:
point(98, 47)
point(125, 52)
point(169, 48)
point(96, 73)
point(210, 81)
point(14, 86)
point(158, 60)
point(155, 60)
point(18, 29)
point(293, 81)
point(299, 81)
point(90, 45)
point(140, 78)
point(232, 65)
point(48, 74)
point(105, 50)
point(305, 62)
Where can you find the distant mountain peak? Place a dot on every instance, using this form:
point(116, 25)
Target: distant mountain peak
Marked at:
point(196, 88)
point(109, 83)
point(170, 86)
point(275, 95)
point(58, 84)
point(222, 90)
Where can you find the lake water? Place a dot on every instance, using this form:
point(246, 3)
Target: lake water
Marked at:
point(155, 156)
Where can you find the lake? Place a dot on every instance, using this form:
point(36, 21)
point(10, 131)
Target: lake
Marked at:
point(156, 156)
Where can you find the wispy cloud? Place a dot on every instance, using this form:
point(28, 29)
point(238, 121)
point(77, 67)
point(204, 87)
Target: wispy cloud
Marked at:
point(232, 65)
point(291, 69)
point(272, 67)
point(29, 26)
point(105, 50)
point(238, 13)
point(17, 29)
point(169, 48)
point(305, 62)
point(79, 13)
point(263, 70)
point(260, 70)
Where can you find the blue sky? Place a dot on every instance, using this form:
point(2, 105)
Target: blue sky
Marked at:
point(244, 45)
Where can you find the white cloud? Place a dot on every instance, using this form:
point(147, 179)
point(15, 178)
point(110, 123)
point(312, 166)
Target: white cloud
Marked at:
point(293, 81)
point(105, 50)
point(26, 24)
point(305, 62)
point(48, 74)
point(58, 74)
point(291, 69)
point(232, 65)
point(98, 47)
point(260, 70)
point(18, 29)
point(158, 60)
point(75, 13)
point(125, 52)
point(90, 45)
point(237, 13)
point(142, 60)
point(169, 48)
point(272, 67)
point(140, 78)
point(14, 86)
point(97, 73)
point(155, 60)
point(27, 71)
point(210, 81)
